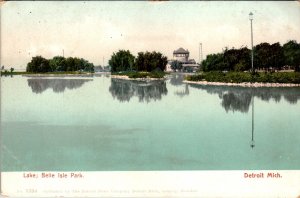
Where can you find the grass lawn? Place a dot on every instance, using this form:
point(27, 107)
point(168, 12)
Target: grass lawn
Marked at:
point(240, 77)
point(59, 73)
point(131, 74)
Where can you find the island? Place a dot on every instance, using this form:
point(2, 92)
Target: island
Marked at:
point(146, 66)
point(270, 65)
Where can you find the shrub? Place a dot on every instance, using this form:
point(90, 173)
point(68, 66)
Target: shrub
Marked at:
point(133, 74)
point(239, 77)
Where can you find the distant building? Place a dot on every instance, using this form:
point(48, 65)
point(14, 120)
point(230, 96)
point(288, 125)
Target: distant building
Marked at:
point(182, 55)
point(98, 69)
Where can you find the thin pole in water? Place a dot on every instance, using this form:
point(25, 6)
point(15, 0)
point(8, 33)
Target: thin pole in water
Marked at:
point(251, 18)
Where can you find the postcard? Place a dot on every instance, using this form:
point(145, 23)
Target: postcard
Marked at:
point(150, 99)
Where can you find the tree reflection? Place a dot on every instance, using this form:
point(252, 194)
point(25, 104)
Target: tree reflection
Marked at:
point(176, 79)
point(124, 90)
point(239, 98)
point(184, 92)
point(39, 85)
point(236, 101)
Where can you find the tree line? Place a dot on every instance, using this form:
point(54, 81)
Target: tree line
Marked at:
point(39, 64)
point(123, 60)
point(5, 72)
point(266, 56)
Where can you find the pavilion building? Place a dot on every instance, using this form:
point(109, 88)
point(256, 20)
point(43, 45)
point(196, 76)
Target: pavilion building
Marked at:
point(181, 55)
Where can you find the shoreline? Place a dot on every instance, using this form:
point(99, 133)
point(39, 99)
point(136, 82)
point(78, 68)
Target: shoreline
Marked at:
point(124, 77)
point(244, 84)
point(58, 75)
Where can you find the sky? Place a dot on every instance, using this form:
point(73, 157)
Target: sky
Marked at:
point(95, 30)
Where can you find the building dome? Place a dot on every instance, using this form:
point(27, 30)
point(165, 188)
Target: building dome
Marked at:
point(181, 51)
point(181, 55)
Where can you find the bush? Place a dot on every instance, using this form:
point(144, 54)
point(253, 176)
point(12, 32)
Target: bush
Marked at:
point(132, 74)
point(137, 75)
point(39, 64)
point(156, 74)
point(239, 77)
point(195, 77)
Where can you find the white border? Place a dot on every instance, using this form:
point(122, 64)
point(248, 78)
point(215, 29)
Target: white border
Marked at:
point(154, 184)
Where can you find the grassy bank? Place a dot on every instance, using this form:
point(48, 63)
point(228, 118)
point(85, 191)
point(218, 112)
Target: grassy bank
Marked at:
point(240, 77)
point(141, 74)
point(14, 73)
point(58, 73)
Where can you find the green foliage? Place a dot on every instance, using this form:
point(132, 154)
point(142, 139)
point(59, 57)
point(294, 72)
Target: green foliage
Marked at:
point(291, 52)
point(176, 65)
point(39, 64)
point(137, 75)
point(156, 74)
point(5, 72)
point(58, 63)
point(237, 59)
point(239, 77)
point(11, 70)
point(150, 61)
point(122, 61)
point(265, 56)
point(229, 60)
point(214, 62)
point(134, 74)
point(198, 77)
point(241, 66)
point(279, 77)
point(147, 62)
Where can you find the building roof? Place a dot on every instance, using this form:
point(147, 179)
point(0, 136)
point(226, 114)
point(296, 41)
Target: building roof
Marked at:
point(190, 65)
point(192, 61)
point(181, 51)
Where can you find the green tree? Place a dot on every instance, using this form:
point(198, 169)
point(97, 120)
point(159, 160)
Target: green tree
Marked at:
point(262, 55)
point(70, 64)
point(86, 65)
point(237, 59)
point(140, 64)
point(291, 52)
point(268, 55)
point(11, 70)
point(176, 65)
point(276, 56)
point(38, 64)
point(214, 62)
point(123, 60)
point(150, 61)
point(57, 63)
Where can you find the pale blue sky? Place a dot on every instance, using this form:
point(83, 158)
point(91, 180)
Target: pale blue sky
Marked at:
point(94, 30)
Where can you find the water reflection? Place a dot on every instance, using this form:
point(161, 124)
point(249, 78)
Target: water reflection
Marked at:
point(252, 143)
point(39, 85)
point(176, 79)
point(124, 90)
point(104, 74)
point(184, 92)
point(239, 98)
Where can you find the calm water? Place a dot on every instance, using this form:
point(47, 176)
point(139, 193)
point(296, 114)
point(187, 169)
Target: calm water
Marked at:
point(98, 123)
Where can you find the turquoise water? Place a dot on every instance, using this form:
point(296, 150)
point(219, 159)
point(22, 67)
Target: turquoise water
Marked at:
point(98, 123)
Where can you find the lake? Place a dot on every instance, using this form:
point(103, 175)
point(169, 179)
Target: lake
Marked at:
point(98, 123)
